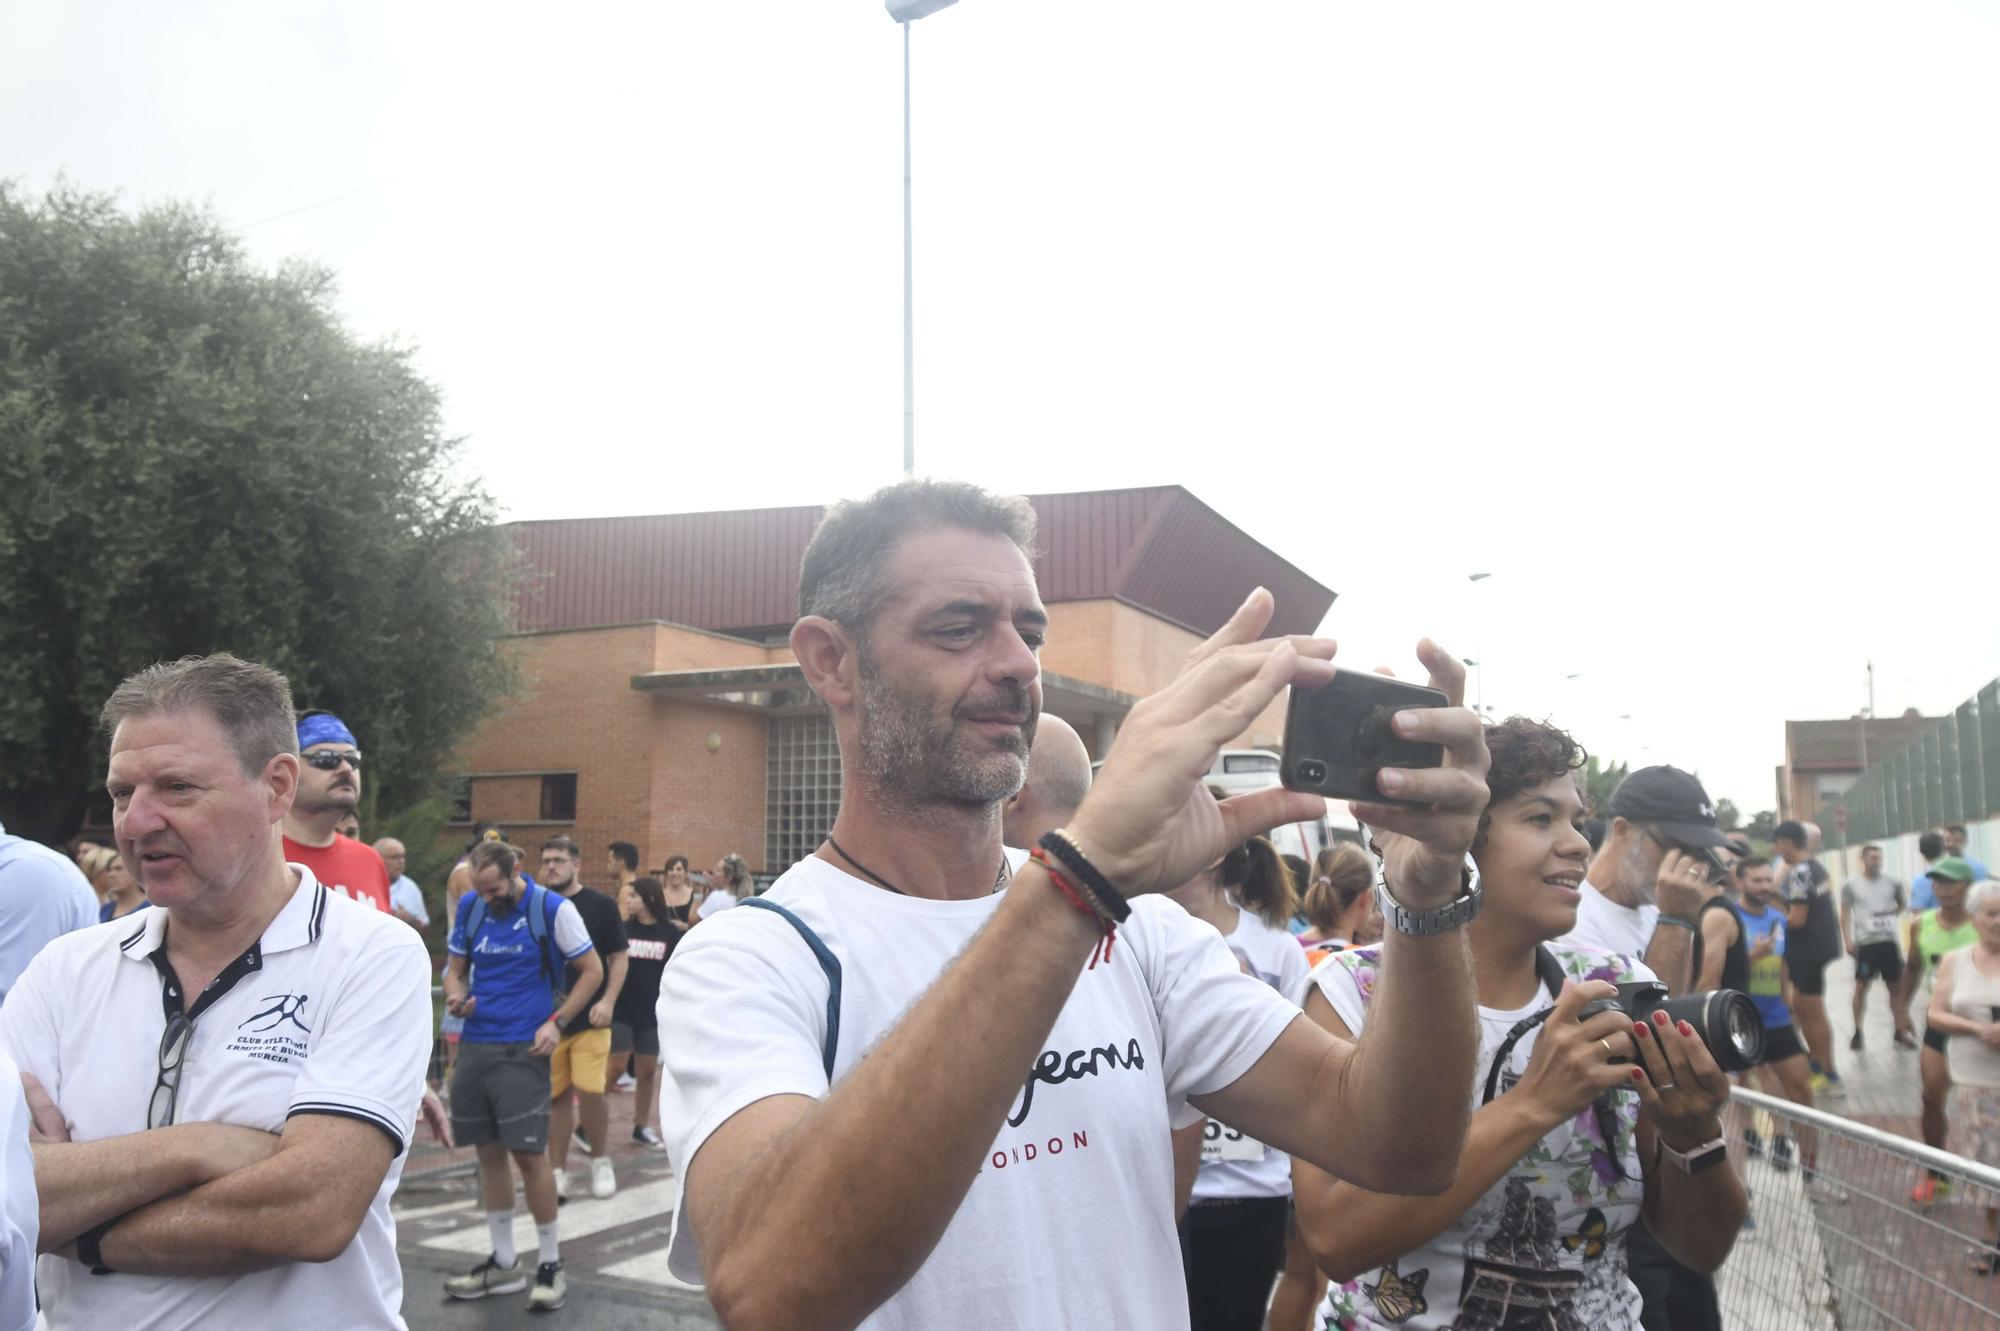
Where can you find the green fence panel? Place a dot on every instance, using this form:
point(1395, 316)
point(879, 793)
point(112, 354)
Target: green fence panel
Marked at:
point(1933, 776)
point(1948, 775)
point(1971, 774)
point(1989, 744)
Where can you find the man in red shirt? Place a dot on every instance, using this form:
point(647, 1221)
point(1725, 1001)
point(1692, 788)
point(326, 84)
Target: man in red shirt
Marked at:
point(329, 788)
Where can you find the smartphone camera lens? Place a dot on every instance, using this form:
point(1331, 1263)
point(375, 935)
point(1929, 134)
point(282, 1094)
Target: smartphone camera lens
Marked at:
point(1312, 771)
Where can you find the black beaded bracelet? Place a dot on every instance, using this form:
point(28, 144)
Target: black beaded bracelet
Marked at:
point(1058, 844)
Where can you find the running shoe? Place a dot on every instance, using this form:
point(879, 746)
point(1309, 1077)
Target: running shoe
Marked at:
point(645, 1136)
point(551, 1289)
point(1905, 1040)
point(489, 1277)
point(626, 1081)
point(1925, 1194)
point(1781, 1154)
point(562, 1186)
point(1855, 1043)
point(1753, 1142)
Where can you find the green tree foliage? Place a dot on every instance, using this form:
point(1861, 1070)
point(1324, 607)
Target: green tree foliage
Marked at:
point(195, 456)
point(1599, 780)
point(1727, 816)
point(1762, 824)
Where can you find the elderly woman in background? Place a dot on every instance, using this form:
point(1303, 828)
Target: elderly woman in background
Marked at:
point(1965, 1006)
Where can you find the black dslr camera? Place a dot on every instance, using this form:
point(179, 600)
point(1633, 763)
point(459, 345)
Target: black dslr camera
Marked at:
point(1727, 1021)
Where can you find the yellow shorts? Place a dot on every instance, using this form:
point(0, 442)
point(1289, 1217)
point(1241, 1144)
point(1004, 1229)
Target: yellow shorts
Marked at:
point(580, 1060)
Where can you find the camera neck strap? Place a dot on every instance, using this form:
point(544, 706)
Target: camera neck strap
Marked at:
point(1550, 972)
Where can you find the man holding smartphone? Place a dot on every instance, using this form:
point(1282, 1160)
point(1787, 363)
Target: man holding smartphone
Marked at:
point(895, 1101)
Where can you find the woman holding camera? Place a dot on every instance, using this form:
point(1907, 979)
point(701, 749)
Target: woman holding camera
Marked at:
point(1571, 1143)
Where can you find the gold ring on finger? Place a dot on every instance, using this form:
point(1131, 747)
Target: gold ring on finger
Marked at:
point(1608, 1051)
point(1668, 1087)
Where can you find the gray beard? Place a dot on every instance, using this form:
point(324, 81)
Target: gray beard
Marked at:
point(910, 762)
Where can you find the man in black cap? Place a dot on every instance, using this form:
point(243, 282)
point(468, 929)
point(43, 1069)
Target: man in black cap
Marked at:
point(1812, 940)
point(1643, 896)
point(1648, 881)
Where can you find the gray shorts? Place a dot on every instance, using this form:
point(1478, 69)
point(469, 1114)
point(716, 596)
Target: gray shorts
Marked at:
point(627, 1038)
point(500, 1093)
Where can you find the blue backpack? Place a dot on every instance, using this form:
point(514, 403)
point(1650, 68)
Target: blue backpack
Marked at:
point(827, 963)
point(541, 906)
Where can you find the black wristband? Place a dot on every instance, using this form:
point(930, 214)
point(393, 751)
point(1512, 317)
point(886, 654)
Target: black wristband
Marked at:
point(1058, 844)
point(89, 1248)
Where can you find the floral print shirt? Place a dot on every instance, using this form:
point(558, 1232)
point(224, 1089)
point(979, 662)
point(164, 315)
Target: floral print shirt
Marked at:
point(1544, 1248)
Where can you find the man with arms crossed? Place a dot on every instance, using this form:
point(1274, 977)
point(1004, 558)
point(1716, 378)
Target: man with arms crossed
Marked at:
point(921, 1183)
point(222, 1086)
point(1871, 908)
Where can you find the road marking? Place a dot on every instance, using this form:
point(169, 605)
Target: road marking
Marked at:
point(581, 1218)
point(648, 1268)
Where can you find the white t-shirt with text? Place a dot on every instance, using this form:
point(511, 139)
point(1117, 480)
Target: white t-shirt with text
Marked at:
point(1070, 1220)
point(1232, 1163)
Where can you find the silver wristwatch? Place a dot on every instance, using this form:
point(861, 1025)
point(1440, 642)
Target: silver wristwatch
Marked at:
point(1439, 919)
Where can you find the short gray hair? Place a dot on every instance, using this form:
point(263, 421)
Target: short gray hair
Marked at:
point(1981, 890)
point(252, 703)
point(845, 573)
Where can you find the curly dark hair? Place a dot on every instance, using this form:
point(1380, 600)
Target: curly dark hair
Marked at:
point(1525, 754)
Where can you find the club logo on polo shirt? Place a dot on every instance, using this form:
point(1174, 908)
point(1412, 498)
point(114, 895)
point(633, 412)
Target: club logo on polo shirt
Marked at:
point(264, 1034)
point(284, 1007)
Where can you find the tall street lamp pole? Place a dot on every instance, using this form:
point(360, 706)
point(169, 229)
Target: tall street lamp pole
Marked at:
point(906, 12)
point(1479, 650)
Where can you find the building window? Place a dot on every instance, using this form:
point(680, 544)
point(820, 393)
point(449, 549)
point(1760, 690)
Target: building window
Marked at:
point(801, 787)
point(559, 798)
point(461, 799)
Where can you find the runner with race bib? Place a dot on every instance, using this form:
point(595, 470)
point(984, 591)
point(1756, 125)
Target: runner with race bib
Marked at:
point(1233, 1236)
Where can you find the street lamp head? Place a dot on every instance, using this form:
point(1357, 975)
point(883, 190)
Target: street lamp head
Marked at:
point(1477, 577)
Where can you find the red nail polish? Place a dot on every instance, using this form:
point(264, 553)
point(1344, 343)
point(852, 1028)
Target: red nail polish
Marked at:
point(1638, 1075)
point(1638, 1028)
point(1659, 1018)
point(1686, 1029)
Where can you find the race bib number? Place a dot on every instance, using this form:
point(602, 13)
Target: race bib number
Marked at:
point(1221, 1142)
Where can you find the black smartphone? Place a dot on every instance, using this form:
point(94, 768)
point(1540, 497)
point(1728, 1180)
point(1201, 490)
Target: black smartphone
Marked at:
point(1338, 737)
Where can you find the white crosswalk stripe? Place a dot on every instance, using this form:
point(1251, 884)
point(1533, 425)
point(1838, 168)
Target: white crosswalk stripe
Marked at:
point(640, 1257)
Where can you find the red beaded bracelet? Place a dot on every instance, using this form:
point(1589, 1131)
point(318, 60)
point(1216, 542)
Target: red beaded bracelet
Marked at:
point(1077, 900)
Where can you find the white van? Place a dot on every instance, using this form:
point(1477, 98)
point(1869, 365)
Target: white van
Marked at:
point(1238, 771)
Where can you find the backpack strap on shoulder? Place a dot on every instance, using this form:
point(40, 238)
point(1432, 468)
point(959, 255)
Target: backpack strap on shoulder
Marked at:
point(827, 962)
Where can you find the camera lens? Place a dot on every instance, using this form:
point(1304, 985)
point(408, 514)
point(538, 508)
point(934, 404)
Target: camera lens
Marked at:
point(1312, 770)
point(1727, 1022)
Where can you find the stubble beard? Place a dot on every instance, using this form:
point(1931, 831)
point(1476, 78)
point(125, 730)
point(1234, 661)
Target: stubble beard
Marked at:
point(913, 761)
point(333, 799)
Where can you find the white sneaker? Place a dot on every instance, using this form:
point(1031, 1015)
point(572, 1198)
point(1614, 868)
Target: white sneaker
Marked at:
point(562, 1185)
point(626, 1081)
point(602, 1181)
point(551, 1289)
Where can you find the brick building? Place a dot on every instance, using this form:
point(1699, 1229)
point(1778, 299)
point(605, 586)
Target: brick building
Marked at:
point(661, 705)
point(1824, 758)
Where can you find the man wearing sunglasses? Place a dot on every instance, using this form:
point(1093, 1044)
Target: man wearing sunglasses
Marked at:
point(329, 789)
point(222, 1087)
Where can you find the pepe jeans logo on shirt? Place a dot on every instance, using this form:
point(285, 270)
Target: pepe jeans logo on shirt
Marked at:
point(267, 1033)
point(1055, 1067)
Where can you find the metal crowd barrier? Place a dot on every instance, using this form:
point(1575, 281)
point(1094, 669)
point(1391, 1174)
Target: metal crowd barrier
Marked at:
point(1835, 1241)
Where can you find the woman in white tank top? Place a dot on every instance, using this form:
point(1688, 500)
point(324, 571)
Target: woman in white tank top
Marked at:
point(1965, 1006)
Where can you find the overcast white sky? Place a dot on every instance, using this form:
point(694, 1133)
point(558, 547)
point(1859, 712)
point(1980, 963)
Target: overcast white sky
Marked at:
point(1678, 320)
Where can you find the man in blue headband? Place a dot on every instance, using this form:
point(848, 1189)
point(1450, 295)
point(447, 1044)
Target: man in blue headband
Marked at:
point(329, 789)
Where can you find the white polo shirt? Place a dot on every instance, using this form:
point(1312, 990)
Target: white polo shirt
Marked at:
point(328, 1014)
